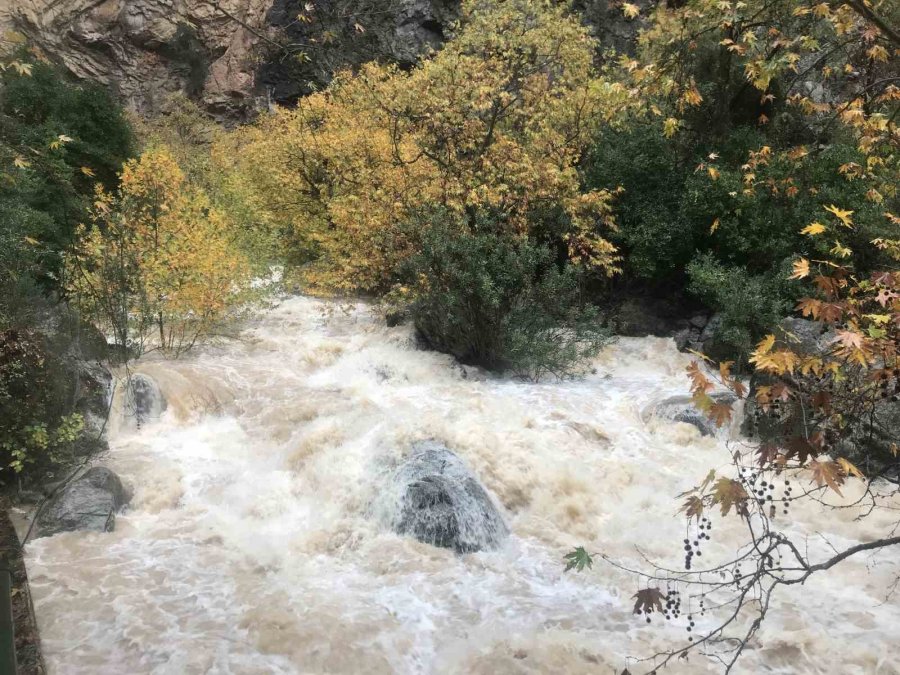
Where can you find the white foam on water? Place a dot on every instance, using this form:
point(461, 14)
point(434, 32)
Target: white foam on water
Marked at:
point(250, 546)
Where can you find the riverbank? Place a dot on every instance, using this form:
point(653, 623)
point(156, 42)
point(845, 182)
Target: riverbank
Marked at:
point(28, 643)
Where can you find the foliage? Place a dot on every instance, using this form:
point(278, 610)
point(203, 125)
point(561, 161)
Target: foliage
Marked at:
point(35, 430)
point(496, 121)
point(747, 305)
point(157, 266)
point(722, 217)
point(202, 150)
point(501, 302)
point(56, 140)
point(816, 191)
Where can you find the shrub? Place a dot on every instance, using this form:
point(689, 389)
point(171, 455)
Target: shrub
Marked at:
point(501, 302)
point(723, 219)
point(748, 304)
point(57, 139)
point(37, 430)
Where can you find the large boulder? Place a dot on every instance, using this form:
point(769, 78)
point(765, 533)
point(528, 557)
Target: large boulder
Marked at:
point(88, 503)
point(440, 502)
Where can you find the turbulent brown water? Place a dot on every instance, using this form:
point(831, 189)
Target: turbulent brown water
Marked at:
point(254, 542)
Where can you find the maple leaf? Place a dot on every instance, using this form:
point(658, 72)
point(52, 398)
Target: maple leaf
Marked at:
point(766, 454)
point(813, 229)
point(765, 345)
point(700, 384)
point(647, 600)
point(713, 172)
point(828, 474)
point(692, 507)
point(801, 269)
point(841, 214)
point(87, 171)
point(670, 127)
point(728, 493)
point(630, 11)
point(714, 226)
point(801, 448)
point(720, 413)
point(849, 468)
point(884, 296)
point(849, 339)
point(578, 560)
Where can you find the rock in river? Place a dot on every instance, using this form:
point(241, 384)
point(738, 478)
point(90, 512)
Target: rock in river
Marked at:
point(440, 502)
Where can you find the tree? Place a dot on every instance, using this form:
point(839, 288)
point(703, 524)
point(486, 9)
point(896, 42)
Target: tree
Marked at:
point(157, 266)
point(496, 121)
point(824, 404)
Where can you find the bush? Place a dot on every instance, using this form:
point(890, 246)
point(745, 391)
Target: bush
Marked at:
point(37, 429)
point(747, 304)
point(65, 138)
point(697, 217)
point(502, 303)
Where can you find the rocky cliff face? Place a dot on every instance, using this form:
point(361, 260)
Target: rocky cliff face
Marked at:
point(224, 53)
point(147, 49)
point(236, 56)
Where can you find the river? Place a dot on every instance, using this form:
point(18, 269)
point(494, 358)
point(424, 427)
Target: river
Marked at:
point(252, 544)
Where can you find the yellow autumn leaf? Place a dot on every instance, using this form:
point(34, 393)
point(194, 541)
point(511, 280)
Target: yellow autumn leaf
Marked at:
point(87, 171)
point(813, 229)
point(849, 468)
point(670, 127)
point(713, 172)
point(630, 11)
point(841, 251)
point(841, 214)
point(801, 269)
point(765, 345)
point(714, 226)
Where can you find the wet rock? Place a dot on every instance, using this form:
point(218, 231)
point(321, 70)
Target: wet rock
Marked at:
point(90, 502)
point(803, 336)
point(144, 401)
point(682, 409)
point(699, 321)
point(442, 503)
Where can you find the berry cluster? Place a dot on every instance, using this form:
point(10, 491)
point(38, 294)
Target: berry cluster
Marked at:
point(692, 548)
point(673, 604)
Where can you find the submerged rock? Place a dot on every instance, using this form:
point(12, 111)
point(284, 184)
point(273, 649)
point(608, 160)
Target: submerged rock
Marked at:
point(144, 401)
point(440, 502)
point(682, 409)
point(90, 502)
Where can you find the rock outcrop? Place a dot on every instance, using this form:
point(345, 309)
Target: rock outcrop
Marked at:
point(232, 56)
point(236, 56)
point(148, 49)
point(88, 503)
point(440, 502)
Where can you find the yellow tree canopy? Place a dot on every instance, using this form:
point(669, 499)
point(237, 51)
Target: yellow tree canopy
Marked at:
point(495, 122)
point(157, 262)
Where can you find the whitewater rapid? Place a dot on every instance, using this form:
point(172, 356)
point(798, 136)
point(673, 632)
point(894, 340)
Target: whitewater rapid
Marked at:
point(251, 545)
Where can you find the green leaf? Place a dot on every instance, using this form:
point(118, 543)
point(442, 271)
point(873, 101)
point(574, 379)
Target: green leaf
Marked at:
point(578, 560)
